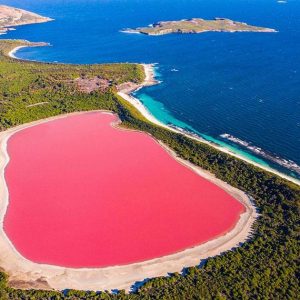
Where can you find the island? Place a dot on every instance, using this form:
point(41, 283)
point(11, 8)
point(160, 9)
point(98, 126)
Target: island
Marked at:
point(197, 25)
point(10, 16)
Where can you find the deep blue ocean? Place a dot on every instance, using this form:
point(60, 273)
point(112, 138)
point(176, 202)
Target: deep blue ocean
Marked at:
point(243, 84)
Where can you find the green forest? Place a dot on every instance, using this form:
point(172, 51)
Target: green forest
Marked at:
point(265, 267)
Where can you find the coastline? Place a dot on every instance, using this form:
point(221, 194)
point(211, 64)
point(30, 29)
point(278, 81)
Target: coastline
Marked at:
point(27, 274)
point(12, 53)
point(125, 91)
point(126, 94)
point(13, 17)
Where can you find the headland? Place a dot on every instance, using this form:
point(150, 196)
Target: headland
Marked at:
point(11, 17)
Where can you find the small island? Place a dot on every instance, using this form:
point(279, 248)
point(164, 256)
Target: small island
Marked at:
point(197, 25)
point(10, 16)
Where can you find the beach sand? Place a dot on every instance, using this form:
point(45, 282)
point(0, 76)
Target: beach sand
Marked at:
point(14, 51)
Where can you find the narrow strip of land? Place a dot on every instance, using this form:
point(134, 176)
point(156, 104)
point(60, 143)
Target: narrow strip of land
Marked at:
point(125, 91)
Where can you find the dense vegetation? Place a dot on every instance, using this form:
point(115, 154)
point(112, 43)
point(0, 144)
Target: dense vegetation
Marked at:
point(266, 267)
point(23, 84)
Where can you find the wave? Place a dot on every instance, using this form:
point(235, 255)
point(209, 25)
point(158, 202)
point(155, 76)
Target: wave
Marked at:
point(185, 131)
point(286, 163)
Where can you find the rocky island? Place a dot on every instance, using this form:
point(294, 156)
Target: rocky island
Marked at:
point(10, 16)
point(197, 25)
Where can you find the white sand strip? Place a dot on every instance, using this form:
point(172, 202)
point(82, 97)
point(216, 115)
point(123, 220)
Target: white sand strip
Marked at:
point(14, 51)
point(27, 274)
point(150, 80)
point(37, 104)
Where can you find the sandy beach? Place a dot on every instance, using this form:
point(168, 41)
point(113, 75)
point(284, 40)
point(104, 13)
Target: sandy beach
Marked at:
point(125, 92)
point(13, 52)
point(26, 274)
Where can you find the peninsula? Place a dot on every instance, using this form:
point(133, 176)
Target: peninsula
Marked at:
point(197, 25)
point(10, 16)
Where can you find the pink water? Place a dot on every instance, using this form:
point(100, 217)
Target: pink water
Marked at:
point(85, 194)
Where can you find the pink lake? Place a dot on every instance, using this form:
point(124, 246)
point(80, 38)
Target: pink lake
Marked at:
point(85, 194)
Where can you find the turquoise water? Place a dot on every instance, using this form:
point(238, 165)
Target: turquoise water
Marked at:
point(243, 84)
point(158, 110)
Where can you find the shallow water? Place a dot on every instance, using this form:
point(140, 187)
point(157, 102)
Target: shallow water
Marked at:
point(243, 84)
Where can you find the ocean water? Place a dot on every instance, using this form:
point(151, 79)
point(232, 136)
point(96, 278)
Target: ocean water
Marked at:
point(246, 85)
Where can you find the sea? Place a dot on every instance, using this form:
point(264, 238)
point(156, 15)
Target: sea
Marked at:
point(238, 90)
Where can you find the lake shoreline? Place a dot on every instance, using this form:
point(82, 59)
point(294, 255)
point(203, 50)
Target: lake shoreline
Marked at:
point(24, 273)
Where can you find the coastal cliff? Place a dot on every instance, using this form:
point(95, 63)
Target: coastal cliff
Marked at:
point(10, 16)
